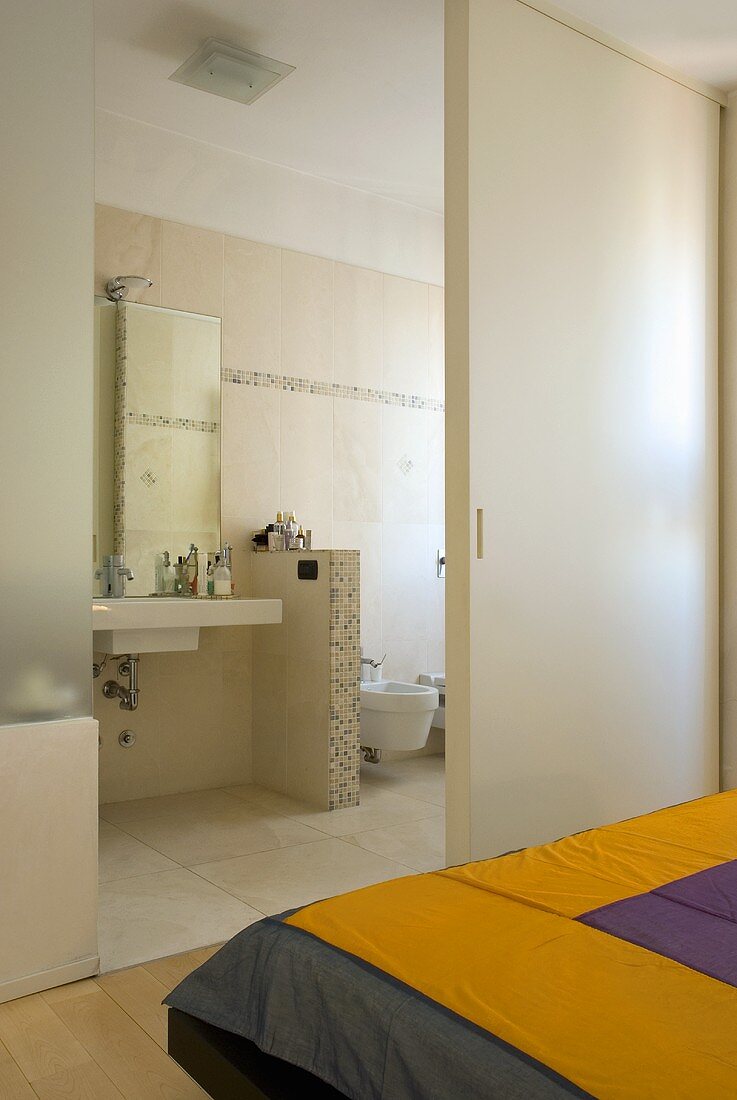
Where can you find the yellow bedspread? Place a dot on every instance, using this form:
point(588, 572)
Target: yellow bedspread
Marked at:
point(496, 942)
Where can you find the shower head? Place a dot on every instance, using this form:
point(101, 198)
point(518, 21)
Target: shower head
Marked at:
point(121, 286)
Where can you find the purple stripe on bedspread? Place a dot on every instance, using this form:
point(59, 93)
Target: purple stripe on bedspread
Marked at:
point(692, 921)
point(712, 891)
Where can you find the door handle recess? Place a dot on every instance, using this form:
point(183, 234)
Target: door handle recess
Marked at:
point(479, 533)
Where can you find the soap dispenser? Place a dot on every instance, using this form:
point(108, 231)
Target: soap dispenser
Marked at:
point(223, 576)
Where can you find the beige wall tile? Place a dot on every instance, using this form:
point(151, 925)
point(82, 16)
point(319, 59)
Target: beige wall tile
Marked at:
point(193, 722)
point(308, 726)
point(308, 613)
point(131, 772)
point(405, 581)
point(356, 461)
point(436, 655)
point(404, 464)
point(406, 658)
point(307, 462)
point(436, 356)
point(307, 316)
point(198, 744)
point(406, 333)
point(192, 269)
point(436, 467)
point(251, 451)
point(270, 720)
point(251, 306)
point(359, 311)
point(127, 244)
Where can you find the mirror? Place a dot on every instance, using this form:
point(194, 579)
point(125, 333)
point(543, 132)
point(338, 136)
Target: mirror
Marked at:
point(157, 435)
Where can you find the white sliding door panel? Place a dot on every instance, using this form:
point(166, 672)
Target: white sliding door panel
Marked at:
point(592, 432)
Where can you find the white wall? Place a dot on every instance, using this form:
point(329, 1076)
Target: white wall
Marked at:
point(728, 431)
point(141, 167)
point(591, 231)
point(48, 787)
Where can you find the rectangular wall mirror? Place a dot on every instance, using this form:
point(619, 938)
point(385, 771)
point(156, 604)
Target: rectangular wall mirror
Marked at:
point(157, 435)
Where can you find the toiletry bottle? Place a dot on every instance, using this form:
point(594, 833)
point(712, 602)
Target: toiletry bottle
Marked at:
point(202, 565)
point(170, 575)
point(291, 532)
point(308, 539)
point(279, 532)
point(228, 559)
point(211, 567)
point(299, 542)
point(222, 579)
point(192, 572)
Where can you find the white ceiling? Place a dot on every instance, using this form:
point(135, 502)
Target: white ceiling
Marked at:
point(364, 106)
point(699, 37)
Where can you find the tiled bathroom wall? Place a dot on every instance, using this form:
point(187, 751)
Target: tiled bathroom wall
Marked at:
point(332, 406)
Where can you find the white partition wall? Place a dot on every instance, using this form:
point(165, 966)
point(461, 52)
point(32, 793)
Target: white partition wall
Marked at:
point(48, 741)
point(582, 425)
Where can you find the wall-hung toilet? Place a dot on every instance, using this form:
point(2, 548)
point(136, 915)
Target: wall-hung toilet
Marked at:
point(395, 716)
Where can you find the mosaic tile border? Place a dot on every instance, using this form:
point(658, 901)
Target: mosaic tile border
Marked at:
point(345, 679)
point(182, 422)
point(121, 367)
point(295, 384)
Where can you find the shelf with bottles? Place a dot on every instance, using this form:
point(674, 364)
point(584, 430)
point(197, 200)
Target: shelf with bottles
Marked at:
point(282, 535)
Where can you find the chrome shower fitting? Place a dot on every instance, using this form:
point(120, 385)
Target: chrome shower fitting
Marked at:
point(128, 696)
point(121, 286)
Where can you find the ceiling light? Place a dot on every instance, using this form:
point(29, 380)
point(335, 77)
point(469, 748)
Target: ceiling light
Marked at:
point(230, 72)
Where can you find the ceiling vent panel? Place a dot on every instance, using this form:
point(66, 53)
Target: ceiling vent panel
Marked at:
point(230, 72)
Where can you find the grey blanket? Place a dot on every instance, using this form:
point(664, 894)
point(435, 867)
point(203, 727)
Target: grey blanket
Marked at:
point(368, 1035)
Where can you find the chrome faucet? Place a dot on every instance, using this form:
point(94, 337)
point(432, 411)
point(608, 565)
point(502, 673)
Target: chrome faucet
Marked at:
point(113, 574)
point(372, 664)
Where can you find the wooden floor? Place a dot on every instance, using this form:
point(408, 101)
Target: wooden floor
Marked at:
point(99, 1039)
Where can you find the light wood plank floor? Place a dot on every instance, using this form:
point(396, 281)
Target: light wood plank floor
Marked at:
point(99, 1039)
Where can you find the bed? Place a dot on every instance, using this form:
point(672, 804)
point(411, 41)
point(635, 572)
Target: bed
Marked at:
point(604, 964)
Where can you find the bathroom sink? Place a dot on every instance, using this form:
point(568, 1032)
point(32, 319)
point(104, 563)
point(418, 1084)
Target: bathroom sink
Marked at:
point(140, 624)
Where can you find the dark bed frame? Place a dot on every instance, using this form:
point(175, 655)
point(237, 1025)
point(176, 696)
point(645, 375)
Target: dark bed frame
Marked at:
point(229, 1067)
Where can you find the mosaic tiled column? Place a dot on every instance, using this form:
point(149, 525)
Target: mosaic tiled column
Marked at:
point(121, 357)
point(345, 678)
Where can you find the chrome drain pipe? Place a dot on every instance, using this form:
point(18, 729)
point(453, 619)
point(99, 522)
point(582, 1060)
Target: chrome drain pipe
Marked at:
point(128, 696)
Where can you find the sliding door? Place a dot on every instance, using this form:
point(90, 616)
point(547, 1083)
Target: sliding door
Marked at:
point(582, 432)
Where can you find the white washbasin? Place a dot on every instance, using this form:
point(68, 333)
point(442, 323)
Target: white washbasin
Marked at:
point(141, 624)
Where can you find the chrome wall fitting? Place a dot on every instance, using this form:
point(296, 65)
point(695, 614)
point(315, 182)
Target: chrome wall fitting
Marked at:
point(126, 739)
point(371, 756)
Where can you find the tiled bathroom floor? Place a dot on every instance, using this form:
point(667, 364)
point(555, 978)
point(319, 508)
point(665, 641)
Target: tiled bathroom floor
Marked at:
point(183, 871)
